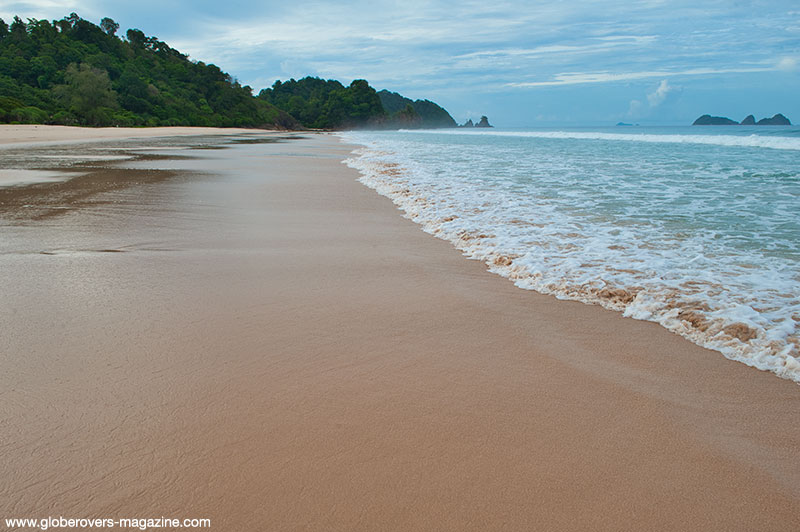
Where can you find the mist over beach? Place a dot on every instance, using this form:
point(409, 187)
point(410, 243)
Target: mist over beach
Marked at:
point(381, 267)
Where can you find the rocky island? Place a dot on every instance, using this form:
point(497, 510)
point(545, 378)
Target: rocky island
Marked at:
point(777, 120)
point(483, 122)
point(750, 120)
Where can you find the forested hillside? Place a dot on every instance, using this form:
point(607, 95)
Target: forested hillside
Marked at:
point(73, 72)
point(319, 103)
point(430, 114)
point(327, 104)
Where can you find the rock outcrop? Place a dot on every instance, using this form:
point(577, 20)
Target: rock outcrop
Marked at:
point(484, 122)
point(708, 120)
point(777, 120)
point(750, 120)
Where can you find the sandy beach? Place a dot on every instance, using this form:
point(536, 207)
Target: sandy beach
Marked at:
point(227, 325)
point(31, 133)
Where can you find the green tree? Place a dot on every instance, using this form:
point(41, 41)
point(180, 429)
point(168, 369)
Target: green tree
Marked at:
point(407, 117)
point(72, 71)
point(327, 104)
point(18, 30)
point(88, 94)
point(109, 26)
point(136, 37)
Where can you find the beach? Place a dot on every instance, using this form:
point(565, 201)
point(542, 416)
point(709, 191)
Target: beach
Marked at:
point(228, 325)
point(25, 133)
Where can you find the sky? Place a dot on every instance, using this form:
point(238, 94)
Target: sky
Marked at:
point(521, 63)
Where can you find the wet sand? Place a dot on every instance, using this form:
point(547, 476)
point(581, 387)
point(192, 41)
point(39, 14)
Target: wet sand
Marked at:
point(249, 335)
point(36, 134)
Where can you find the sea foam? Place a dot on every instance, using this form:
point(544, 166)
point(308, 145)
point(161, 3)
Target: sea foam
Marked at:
point(703, 242)
point(745, 140)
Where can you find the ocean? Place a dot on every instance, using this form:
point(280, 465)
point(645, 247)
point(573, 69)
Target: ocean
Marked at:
point(695, 228)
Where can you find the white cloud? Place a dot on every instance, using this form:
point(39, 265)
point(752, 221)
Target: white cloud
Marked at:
point(605, 44)
point(472, 46)
point(578, 78)
point(635, 109)
point(788, 63)
point(658, 96)
point(38, 9)
point(91, 10)
point(638, 109)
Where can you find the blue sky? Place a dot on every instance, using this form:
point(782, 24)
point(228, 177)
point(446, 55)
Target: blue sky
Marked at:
point(521, 63)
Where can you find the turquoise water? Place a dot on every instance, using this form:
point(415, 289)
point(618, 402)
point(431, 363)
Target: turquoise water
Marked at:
point(695, 228)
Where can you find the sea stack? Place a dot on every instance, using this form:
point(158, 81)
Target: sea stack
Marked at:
point(749, 120)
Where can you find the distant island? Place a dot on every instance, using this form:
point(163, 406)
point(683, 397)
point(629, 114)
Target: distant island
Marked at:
point(73, 72)
point(749, 120)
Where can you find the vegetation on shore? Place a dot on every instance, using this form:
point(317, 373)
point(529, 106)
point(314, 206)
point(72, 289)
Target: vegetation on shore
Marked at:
point(73, 72)
point(326, 104)
point(419, 113)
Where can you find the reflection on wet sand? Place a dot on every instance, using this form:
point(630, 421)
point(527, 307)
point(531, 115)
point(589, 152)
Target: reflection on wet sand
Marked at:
point(46, 180)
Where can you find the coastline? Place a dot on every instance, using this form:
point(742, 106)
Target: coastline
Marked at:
point(722, 308)
point(277, 345)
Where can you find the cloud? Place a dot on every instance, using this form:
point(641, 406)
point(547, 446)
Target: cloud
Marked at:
point(602, 44)
point(788, 64)
point(658, 96)
point(638, 109)
point(38, 9)
point(578, 78)
point(473, 48)
point(511, 43)
point(635, 109)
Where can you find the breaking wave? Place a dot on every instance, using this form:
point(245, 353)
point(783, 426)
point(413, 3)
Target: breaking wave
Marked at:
point(587, 230)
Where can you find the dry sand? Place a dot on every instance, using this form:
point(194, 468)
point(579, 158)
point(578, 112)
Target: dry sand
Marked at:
point(260, 340)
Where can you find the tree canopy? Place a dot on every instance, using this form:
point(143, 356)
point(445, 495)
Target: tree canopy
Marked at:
point(73, 72)
point(429, 114)
point(327, 104)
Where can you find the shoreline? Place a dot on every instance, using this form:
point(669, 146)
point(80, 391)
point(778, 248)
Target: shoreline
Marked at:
point(273, 342)
point(705, 322)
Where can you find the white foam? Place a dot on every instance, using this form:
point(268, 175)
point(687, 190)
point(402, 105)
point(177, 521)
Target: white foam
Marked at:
point(705, 284)
point(752, 141)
